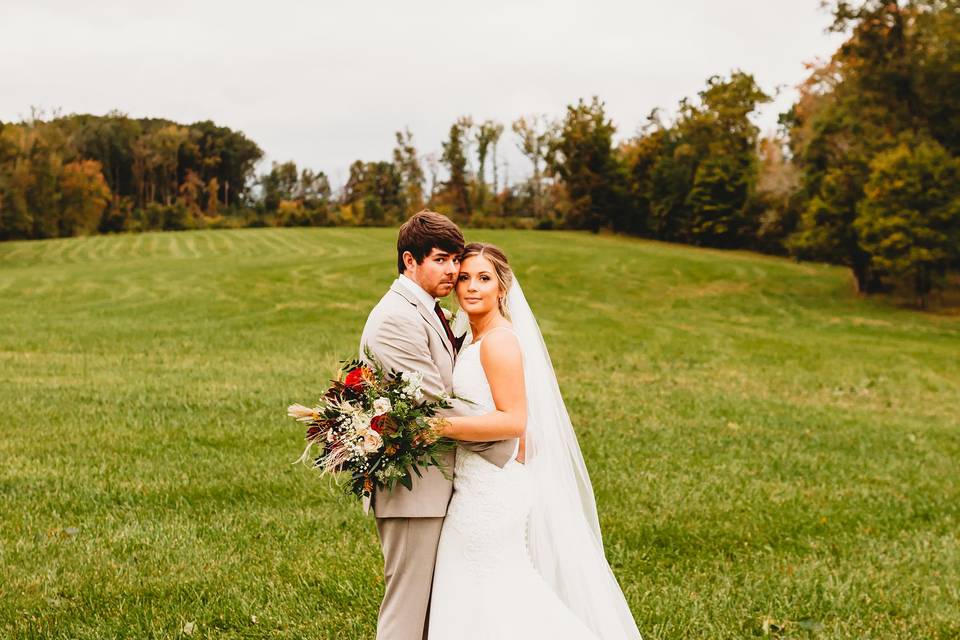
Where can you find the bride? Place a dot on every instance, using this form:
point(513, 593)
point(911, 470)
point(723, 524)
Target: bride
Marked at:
point(520, 553)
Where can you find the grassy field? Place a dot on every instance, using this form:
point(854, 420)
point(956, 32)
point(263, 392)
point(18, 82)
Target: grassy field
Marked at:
point(772, 456)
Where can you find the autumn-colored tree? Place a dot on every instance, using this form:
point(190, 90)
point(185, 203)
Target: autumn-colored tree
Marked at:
point(35, 154)
point(16, 219)
point(190, 190)
point(84, 197)
point(213, 200)
point(164, 146)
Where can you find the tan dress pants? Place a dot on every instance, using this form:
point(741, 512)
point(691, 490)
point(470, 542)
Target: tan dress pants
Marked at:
point(409, 554)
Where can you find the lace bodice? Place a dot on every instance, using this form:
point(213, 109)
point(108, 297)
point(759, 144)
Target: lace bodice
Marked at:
point(494, 496)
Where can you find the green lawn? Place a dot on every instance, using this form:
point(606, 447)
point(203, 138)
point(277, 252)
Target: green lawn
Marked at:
point(772, 455)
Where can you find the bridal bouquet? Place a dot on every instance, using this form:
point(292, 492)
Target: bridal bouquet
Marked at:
point(372, 424)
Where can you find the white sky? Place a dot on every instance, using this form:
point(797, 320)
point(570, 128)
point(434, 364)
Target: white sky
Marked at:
point(324, 83)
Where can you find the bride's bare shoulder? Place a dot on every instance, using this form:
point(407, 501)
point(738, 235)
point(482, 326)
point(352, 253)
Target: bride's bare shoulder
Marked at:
point(500, 348)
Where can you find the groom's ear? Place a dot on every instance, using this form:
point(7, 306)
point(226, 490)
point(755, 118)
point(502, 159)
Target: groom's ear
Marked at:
point(409, 262)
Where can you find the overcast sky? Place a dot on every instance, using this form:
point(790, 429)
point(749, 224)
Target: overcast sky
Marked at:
point(324, 83)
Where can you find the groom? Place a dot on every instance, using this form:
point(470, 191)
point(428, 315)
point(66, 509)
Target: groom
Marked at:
point(408, 331)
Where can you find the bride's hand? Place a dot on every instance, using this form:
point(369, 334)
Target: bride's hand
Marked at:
point(438, 427)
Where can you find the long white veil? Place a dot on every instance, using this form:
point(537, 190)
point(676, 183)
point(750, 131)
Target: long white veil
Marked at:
point(563, 531)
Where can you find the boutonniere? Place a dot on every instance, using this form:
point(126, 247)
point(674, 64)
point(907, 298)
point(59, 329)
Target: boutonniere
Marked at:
point(459, 325)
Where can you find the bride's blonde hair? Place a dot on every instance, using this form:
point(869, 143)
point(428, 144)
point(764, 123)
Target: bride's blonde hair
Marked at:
point(500, 264)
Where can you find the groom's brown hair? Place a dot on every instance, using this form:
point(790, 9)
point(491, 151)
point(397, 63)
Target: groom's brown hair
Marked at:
point(424, 231)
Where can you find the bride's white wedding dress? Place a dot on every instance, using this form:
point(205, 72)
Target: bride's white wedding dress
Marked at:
point(521, 553)
point(485, 585)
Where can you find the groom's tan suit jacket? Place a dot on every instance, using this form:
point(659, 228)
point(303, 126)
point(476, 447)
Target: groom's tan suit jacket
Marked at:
point(406, 336)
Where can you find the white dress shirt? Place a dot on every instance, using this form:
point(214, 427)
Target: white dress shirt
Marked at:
point(428, 300)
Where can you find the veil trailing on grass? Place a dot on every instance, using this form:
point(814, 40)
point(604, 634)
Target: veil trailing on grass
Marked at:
point(563, 530)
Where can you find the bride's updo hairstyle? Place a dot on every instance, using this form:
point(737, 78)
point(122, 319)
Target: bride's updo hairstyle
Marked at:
point(499, 261)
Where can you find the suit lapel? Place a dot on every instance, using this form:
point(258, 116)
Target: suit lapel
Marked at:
point(427, 314)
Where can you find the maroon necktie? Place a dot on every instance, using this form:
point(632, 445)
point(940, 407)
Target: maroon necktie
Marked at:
point(446, 327)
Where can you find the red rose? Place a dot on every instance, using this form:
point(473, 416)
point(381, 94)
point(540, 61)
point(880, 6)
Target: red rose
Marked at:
point(384, 425)
point(355, 380)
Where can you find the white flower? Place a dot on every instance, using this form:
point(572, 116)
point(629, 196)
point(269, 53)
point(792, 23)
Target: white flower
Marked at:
point(412, 382)
point(372, 441)
point(381, 406)
point(360, 423)
point(447, 313)
point(414, 378)
point(460, 324)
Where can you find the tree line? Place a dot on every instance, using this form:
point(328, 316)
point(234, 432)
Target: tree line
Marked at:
point(82, 174)
point(863, 170)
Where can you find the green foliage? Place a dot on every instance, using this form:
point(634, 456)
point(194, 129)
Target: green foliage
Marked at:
point(909, 218)
point(936, 73)
point(293, 213)
point(693, 180)
point(487, 134)
point(455, 158)
point(281, 183)
point(670, 177)
point(826, 230)
point(896, 75)
point(376, 191)
point(411, 173)
point(725, 177)
point(173, 217)
point(716, 201)
point(227, 156)
point(581, 155)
